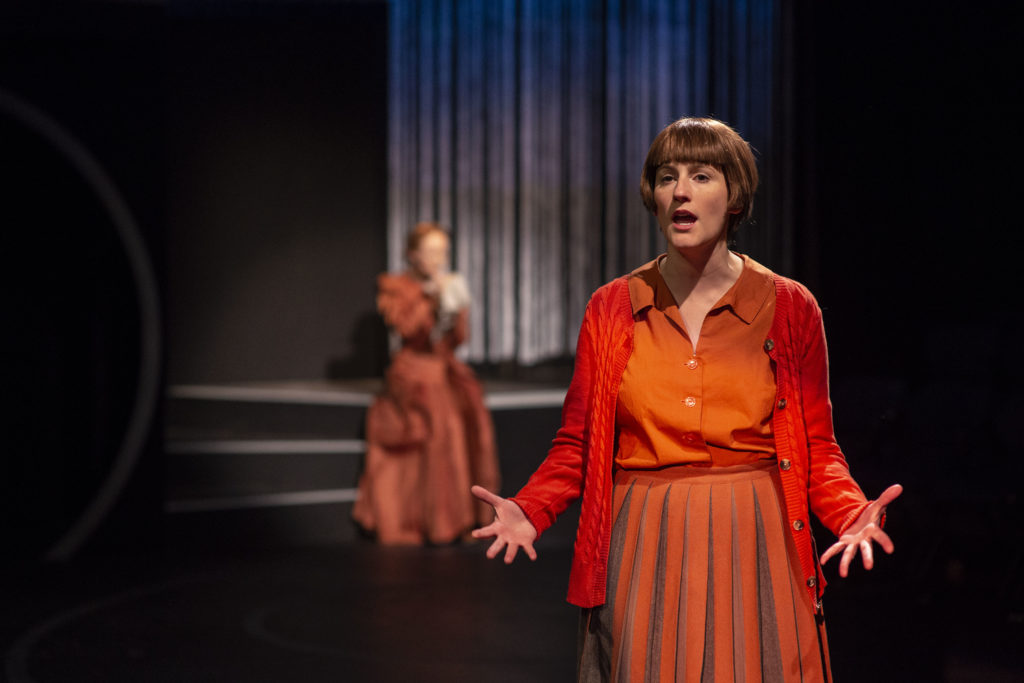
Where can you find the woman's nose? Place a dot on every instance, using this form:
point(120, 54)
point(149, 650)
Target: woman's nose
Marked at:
point(681, 190)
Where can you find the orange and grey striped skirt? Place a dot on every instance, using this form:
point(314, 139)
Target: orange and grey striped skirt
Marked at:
point(703, 584)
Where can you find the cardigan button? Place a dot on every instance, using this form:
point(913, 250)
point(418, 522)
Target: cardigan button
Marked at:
point(782, 403)
point(785, 464)
point(769, 344)
point(798, 524)
point(812, 582)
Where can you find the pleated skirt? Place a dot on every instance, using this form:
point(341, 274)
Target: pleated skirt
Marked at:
point(703, 584)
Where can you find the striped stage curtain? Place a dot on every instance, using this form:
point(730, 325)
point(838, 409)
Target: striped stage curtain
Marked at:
point(523, 125)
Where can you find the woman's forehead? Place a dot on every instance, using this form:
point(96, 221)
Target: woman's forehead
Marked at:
point(435, 240)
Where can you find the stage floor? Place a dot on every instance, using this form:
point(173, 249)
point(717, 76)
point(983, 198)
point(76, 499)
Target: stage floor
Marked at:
point(364, 613)
point(310, 612)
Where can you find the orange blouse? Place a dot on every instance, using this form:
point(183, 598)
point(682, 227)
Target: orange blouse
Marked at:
point(711, 405)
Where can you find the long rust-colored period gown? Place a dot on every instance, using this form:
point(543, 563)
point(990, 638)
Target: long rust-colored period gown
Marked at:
point(429, 436)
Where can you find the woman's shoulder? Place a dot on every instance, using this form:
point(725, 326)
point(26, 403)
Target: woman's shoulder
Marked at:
point(609, 288)
point(610, 292)
point(399, 279)
point(399, 285)
point(615, 297)
point(795, 290)
point(620, 285)
point(794, 300)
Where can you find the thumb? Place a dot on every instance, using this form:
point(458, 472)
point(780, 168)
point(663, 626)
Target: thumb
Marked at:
point(890, 494)
point(486, 496)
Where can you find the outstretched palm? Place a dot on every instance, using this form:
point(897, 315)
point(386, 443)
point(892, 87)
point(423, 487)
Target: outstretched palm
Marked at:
point(862, 532)
point(510, 529)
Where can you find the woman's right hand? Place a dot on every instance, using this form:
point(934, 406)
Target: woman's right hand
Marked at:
point(510, 529)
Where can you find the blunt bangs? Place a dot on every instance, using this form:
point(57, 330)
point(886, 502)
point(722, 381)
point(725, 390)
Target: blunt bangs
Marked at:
point(705, 141)
point(688, 144)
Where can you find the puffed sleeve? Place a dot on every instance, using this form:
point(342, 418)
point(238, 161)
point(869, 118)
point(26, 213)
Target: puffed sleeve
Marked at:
point(404, 307)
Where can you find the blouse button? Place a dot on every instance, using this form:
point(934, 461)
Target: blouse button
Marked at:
point(690, 401)
point(782, 403)
point(798, 525)
point(692, 363)
point(785, 464)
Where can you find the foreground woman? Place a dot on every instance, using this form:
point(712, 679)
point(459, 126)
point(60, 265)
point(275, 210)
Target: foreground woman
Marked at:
point(698, 431)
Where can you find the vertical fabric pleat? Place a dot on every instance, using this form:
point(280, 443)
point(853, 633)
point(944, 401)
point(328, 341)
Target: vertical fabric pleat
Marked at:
point(702, 584)
point(768, 635)
point(523, 125)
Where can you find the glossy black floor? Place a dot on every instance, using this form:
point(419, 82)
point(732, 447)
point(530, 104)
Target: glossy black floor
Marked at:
point(355, 613)
point(360, 612)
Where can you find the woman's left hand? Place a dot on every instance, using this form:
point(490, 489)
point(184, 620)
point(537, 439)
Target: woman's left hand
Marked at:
point(862, 532)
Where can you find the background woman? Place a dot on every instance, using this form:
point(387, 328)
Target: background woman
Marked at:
point(698, 431)
point(428, 435)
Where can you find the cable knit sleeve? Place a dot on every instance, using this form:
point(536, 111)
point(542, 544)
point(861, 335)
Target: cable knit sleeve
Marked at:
point(559, 479)
point(835, 497)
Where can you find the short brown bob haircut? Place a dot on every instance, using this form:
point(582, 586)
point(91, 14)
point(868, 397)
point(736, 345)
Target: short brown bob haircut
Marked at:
point(705, 141)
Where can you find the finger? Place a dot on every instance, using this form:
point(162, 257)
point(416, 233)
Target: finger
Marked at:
point(832, 551)
point(486, 496)
point(889, 495)
point(530, 552)
point(844, 564)
point(510, 553)
point(867, 555)
point(883, 540)
point(495, 548)
point(484, 532)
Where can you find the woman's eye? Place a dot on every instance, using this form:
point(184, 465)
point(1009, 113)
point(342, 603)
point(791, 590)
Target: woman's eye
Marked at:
point(702, 177)
point(666, 179)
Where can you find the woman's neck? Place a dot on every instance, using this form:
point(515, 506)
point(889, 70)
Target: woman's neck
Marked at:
point(698, 281)
point(700, 269)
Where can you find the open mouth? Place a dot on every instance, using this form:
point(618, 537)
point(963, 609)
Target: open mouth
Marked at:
point(683, 217)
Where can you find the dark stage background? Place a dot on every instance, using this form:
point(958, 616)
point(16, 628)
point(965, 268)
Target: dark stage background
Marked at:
point(248, 142)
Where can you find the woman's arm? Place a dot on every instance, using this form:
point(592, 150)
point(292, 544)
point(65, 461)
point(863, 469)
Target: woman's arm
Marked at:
point(559, 479)
point(835, 497)
point(403, 306)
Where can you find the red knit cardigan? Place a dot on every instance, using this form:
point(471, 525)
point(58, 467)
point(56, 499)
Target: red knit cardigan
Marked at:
point(813, 470)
